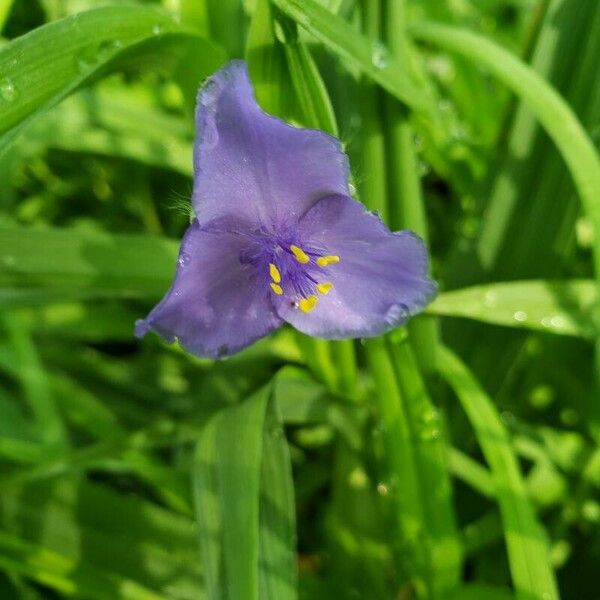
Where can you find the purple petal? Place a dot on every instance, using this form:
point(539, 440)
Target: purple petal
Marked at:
point(216, 305)
point(255, 166)
point(381, 278)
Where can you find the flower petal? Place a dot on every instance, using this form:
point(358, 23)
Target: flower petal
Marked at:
point(216, 305)
point(252, 165)
point(379, 281)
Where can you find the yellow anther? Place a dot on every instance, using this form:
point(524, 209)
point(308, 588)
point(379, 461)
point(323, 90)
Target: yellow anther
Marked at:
point(300, 255)
point(324, 288)
point(323, 261)
point(277, 289)
point(274, 272)
point(308, 304)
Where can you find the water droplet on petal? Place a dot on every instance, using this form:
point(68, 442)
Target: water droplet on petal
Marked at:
point(8, 91)
point(396, 313)
point(210, 135)
point(184, 259)
point(520, 316)
point(380, 57)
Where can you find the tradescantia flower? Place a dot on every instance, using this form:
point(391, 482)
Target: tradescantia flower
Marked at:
point(277, 237)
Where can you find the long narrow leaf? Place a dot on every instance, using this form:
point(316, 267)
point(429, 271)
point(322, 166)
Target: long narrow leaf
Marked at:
point(563, 307)
point(527, 547)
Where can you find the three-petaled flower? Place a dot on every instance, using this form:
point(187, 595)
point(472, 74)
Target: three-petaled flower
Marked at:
point(277, 237)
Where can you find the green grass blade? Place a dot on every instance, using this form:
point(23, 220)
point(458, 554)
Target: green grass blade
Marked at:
point(5, 7)
point(110, 123)
point(553, 112)
point(66, 532)
point(426, 435)
point(371, 58)
point(562, 307)
point(244, 503)
point(406, 209)
point(64, 575)
point(35, 383)
point(44, 66)
point(41, 63)
point(277, 579)
point(527, 546)
point(46, 265)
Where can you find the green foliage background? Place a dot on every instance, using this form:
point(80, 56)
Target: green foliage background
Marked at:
point(457, 458)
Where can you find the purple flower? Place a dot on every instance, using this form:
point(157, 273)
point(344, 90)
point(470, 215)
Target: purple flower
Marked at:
point(277, 237)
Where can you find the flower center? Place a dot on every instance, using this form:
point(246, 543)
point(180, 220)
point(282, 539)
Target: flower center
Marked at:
point(296, 272)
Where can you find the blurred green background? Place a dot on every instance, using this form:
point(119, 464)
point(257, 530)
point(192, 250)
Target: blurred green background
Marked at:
point(457, 458)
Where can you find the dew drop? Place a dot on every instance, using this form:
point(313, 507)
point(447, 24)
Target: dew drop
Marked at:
point(382, 489)
point(8, 91)
point(557, 321)
point(352, 189)
point(9, 260)
point(507, 418)
point(546, 322)
point(184, 259)
point(157, 29)
point(520, 316)
point(108, 47)
point(490, 299)
point(396, 312)
point(380, 57)
point(210, 135)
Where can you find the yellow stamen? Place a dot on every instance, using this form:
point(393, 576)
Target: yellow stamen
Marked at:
point(300, 255)
point(274, 272)
point(277, 289)
point(323, 261)
point(324, 288)
point(308, 304)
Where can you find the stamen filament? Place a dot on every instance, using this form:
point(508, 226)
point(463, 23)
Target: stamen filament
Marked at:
point(277, 289)
point(299, 254)
point(274, 272)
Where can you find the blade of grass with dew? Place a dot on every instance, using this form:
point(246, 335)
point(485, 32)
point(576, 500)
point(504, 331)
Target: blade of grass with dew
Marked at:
point(44, 66)
point(247, 546)
point(372, 58)
point(555, 306)
point(527, 546)
point(426, 434)
point(409, 517)
point(553, 112)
